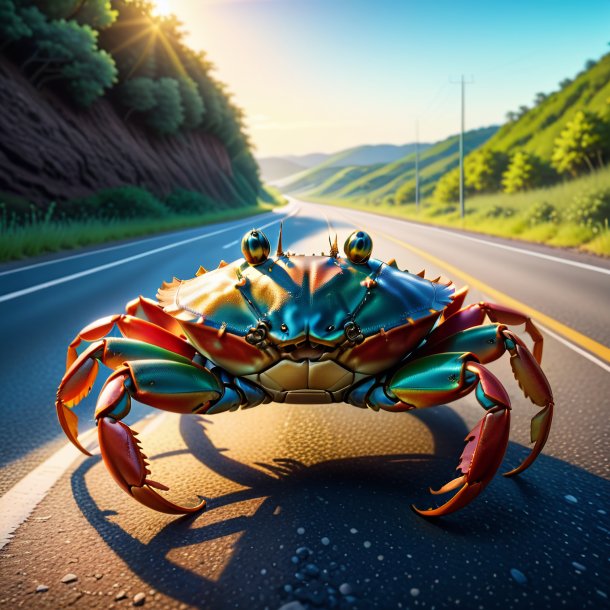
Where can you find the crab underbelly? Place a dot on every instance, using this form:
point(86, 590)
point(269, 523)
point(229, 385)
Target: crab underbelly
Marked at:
point(306, 382)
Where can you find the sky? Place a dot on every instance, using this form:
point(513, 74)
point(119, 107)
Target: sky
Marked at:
point(325, 75)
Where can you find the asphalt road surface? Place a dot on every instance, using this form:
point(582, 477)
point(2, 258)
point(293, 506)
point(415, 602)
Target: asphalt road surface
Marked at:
point(308, 506)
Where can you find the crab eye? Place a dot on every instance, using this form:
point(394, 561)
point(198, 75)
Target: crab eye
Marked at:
point(358, 247)
point(255, 247)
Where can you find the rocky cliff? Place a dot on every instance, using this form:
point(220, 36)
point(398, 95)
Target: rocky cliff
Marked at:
point(51, 151)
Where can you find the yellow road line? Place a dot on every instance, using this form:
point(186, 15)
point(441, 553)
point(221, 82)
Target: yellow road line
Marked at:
point(579, 339)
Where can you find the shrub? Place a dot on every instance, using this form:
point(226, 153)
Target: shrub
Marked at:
point(121, 202)
point(498, 211)
point(182, 201)
point(541, 212)
point(589, 208)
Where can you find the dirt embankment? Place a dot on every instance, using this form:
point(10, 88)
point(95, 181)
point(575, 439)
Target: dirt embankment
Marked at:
point(50, 151)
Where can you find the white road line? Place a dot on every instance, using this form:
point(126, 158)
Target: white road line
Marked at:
point(556, 259)
point(576, 349)
point(135, 242)
point(68, 278)
point(18, 503)
point(237, 241)
point(81, 255)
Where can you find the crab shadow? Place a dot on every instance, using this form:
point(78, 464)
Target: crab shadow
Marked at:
point(347, 521)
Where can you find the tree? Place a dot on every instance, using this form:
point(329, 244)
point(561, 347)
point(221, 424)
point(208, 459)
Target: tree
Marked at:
point(590, 63)
point(581, 144)
point(137, 95)
point(565, 83)
point(448, 187)
point(540, 97)
point(12, 25)
point(483, 170)
point(525, 171)
point(88, 77)
point(511, 116)
point(192, 103)
point(167, 115)
point(57, 9)
point(67, 51)
point(96, 13)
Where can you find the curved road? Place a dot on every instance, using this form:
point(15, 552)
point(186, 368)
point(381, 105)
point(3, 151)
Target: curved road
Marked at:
point(308, 505)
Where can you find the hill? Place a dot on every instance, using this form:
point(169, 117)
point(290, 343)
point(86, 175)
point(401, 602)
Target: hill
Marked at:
point(536, 129)
point(376, 181)
point(101, 95)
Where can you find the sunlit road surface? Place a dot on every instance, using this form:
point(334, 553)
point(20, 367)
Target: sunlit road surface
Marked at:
point(308, 505)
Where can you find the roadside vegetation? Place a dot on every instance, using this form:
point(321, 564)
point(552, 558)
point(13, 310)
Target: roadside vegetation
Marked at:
point(543, 176)
point(571, 214)
point(113, 214)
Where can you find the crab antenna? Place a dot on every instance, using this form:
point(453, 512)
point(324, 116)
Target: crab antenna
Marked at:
point(334, 248)
point(280, 251)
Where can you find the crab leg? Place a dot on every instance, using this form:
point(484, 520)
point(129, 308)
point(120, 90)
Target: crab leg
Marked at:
point(535, 386)
point(440, 378)
point(167, 385)
point(474, 315)
point(80, 376)
point(151, 311)
point(132, 328)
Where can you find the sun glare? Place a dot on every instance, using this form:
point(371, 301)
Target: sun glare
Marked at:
point(162, 7)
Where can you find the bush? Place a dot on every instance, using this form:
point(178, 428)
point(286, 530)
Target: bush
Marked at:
point(589, 208)
point(498, 211)
point(542, 212)
point(182, 201)
point(119, 203)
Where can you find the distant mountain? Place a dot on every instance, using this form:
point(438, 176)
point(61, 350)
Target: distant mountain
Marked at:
point(370, 154)
point(378, 180)
point(286, 166)
point(274, 168)
point(307, 160)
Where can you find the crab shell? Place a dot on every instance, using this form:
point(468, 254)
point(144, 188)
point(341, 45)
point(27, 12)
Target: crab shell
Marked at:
point(306, 328)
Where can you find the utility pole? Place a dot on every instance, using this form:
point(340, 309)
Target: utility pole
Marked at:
point(462, 203)
point(417, 165)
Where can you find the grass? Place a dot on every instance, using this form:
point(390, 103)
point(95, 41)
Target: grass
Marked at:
point(563, 215)
point(41, 236)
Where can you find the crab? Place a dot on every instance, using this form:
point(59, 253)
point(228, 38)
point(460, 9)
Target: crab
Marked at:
point(305, 329)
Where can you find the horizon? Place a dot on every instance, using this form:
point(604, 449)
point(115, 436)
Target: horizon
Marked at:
point(316, 76)
point(373, 144)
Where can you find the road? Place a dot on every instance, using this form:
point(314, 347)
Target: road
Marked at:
point(309, 504)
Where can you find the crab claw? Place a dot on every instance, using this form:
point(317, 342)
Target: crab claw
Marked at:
point(535, 386)
point(69, 424)
point(74, 386)
point(127, 465)
point(485, 447)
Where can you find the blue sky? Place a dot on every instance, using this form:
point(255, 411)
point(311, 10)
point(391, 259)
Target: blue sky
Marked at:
point(322, 75)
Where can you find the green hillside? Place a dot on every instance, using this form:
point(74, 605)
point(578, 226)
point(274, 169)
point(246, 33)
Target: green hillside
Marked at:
point(536, 130)
point(367, 156)
point(374, 182)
